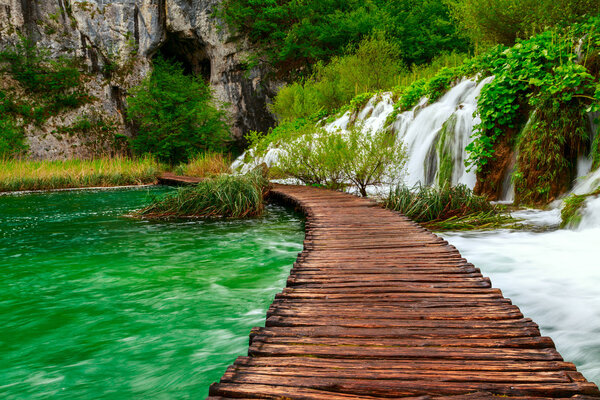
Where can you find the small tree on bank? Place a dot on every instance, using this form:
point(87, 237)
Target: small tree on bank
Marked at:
point(175, 115)
point(338, 159)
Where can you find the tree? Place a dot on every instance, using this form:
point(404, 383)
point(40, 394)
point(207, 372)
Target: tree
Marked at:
point(175, 115)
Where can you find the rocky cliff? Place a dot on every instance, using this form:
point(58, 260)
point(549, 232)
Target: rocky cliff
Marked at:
point(116, 40)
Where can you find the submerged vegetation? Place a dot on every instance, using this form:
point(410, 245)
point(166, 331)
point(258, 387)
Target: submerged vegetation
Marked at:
point(46, 175)
point(447, 208)
point(224, 196)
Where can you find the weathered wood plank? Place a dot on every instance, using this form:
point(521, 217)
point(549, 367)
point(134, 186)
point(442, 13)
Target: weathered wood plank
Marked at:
point(378, 307)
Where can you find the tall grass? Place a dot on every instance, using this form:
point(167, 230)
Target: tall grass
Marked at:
point(224, 196)
point(205, 165)
point(18, 174)
point(446, 208)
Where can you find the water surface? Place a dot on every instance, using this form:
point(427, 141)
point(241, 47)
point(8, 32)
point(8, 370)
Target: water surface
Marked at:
point(93, 305)
point(554, 278)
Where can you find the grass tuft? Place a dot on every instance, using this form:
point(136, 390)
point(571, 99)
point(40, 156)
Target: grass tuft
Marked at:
point(18, 174)
point(205, 165)
point(447, 208)
point(224, 196)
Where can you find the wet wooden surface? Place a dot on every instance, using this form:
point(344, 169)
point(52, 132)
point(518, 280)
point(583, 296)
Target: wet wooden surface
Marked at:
point(378, 307)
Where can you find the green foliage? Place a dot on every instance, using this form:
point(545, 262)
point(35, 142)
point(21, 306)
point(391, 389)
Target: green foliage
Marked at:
point(175, 115)
point(570, 214)
point(336, 160)
point(225, 196)
point(504, 21)
point(12, 138)
point(283, 132)
point(446, 207)
point(294, 35)
point(55, 83)
point(372, 66)
point(547, 151)
point(543, 72)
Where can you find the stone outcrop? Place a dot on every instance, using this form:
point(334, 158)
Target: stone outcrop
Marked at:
point(116, 39)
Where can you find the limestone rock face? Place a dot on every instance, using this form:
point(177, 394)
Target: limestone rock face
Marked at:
point(117, 39)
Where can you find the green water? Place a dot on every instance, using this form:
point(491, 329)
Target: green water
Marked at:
point(93, 305)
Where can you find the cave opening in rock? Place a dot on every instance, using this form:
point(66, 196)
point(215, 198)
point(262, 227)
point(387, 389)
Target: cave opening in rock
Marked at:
point(189, 52)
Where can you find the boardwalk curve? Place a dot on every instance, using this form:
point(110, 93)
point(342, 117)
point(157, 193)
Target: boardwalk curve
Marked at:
point(378, 307)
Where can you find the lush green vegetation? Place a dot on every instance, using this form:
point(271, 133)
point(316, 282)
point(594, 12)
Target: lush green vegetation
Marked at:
point(224, 196)
point(570, 214)
point(446, 208)
point(293, 35)
point(45, 87)
point(175, 115)
point(16, 174)
point(336, 160)
point(504, 21)
point(373, 66)
point(554, 77)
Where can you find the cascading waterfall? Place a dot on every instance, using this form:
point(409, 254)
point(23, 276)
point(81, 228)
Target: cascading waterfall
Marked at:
point(435, 134)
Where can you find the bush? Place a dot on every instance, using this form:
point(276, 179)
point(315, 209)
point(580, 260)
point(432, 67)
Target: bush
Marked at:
point(337, 159)
point(12, 138)
point(226, 196)
point(544, 71)
point(570, 214)
point(175, 115)
point(504, 21)
point(55, 83)
point(374, 65)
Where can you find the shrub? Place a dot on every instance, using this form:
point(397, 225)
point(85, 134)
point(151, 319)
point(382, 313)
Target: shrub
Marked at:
point(175, 115)
point(12, 138)
point(374, 65)
point(55, 83)
point(225, 196)
point(337, 159)
point(295, 35)
point(503, 21)
point(544, 73)
point(570, 214)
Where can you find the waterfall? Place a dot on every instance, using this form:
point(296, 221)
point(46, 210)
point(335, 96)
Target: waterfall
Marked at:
point(435, 135)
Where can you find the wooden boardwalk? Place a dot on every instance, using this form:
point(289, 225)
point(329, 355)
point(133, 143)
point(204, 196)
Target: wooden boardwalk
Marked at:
point(378, 307)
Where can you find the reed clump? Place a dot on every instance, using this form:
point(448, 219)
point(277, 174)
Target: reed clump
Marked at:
point(447, 208)
point(205, 165)
point(18, 174)
point(223, 196)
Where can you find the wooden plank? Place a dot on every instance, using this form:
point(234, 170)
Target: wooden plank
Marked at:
point(378, 307)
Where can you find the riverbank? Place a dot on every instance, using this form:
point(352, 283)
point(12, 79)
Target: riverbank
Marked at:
point(25, 175)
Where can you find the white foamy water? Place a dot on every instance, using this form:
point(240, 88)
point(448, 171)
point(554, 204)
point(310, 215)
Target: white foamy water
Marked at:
point(554, 277)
